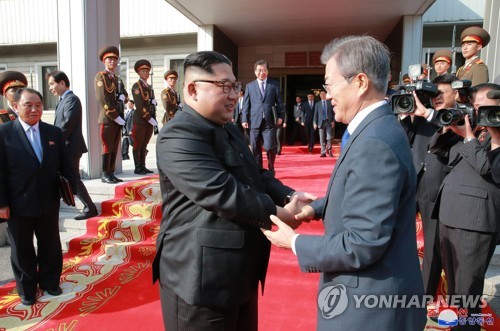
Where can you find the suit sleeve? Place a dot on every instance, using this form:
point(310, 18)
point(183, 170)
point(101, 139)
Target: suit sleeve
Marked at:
point(245, 112)
point(368, 215)
point(315, 114)
point(72, 112)
point(187, 157)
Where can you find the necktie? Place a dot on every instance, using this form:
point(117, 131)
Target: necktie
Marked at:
point(262, 88)
point(35, 143)
point(345, 138)
point(324, 110)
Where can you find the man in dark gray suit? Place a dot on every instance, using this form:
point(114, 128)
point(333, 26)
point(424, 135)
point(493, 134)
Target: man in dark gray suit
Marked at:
point(69, 119)
point(468, 207)
point(262, 113)
point(211, 254)
point(323, 122)
point(32, 154)
point(369, 245)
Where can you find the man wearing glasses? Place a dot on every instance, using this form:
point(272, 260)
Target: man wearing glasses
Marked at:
point(263, 113)
point(211, 253)
point(369, 244)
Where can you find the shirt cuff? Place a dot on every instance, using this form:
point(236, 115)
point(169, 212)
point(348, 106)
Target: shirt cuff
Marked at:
point(431, 114)
point(293, 243)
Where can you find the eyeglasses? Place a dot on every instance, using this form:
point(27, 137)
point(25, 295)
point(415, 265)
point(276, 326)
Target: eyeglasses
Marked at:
point(225, 84)
point(327, 87)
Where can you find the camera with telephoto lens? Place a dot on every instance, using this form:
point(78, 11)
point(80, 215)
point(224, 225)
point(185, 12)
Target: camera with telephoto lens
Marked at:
point(403, 100)
point(488, 116)
point(456, 116)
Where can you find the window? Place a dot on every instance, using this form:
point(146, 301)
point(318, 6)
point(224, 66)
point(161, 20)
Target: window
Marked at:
point(49, 100)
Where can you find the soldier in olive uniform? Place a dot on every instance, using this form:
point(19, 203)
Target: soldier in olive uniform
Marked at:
point(442, 61)
point(10, 82)
point(169, 97)
point(109, 95)
point(143, 120)
point(474, 69)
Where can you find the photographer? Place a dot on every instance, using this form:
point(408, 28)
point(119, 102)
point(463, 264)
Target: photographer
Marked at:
point(420, 126)
point(467, 206)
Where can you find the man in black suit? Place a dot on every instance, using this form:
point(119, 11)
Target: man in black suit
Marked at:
point(431, 170)
point(262, 113)
point(211, 254)
point(32, 154)
point(323, 122)
point(468, 207)
point(69, 119)
point(308, 108)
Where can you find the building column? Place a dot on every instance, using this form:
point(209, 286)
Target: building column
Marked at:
point(84, 26)
point(412, 41)
point(491, 53)
point(205, 38)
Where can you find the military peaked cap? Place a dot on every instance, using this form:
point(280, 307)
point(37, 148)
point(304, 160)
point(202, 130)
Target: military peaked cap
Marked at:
point(477, 34)
point(442, 55)
point(170, 72)
point(142, 64)
point(108, 51)
point(10, 79)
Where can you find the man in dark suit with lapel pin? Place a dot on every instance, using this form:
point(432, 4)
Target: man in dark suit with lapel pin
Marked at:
point(32, 154)
point(69, 119)
point(211, 255)
point(369, 245)
point(323, 122)
point(468, 207)
point(262, 113)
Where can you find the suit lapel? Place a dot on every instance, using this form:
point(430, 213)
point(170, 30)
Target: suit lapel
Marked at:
point(378, 112)
point(23, 139)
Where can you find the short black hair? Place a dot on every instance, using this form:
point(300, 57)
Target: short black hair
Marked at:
point(205, 60)
point(59, 76)
point(261, 62)
point(444, 79)
point(19, 93)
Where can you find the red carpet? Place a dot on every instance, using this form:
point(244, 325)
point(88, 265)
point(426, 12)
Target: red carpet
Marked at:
point(107, 272)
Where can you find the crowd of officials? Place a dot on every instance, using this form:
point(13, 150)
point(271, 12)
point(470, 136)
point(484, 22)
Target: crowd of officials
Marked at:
point(212, 250)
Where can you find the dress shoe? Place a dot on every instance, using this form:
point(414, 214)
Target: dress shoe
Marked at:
point(322, 155)
point(54, 292)
point(105, 178)
point(85, 215)
point(146, 170)
point(116, 179)
point(28, 301)
point(330, 154)
point(139, 171)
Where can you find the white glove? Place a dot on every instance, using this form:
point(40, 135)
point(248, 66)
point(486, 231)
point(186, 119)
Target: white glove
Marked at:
point(152, 121)
point(122, 97)
point(119, 120)
point(154, 103)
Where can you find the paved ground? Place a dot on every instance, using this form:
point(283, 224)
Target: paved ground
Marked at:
point(6, 274)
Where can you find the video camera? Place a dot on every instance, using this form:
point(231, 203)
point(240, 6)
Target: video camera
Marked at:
point(403, 100)
point(489, 115)
point(455, 116)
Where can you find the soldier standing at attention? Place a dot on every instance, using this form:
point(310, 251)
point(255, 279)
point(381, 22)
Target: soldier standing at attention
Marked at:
point(111, 116)
point(169, 97)
point(474, 69)
point(442, 61)
point(10, 82)
point(143, 122)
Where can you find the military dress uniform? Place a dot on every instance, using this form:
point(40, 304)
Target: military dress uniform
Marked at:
point(170, 99)
point(10, 79)
point(142, 129)
point(106, 88)
point(474, 69)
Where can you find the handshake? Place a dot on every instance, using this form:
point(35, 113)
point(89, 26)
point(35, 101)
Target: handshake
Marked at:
point(289, 218)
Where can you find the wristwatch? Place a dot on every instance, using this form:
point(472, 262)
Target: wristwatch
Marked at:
point(288, 197)
point(466, 140)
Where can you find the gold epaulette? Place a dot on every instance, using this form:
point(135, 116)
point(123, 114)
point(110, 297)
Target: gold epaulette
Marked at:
point(479, 61)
